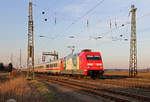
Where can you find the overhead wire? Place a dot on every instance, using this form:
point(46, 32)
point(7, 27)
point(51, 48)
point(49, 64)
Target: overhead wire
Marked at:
point(126, 23)
point(53, 14)
point(75, 21)
point(123, 25)
point(90, 10)
point(99, 21)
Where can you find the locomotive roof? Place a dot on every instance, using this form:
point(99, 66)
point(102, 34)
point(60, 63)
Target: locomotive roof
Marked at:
point(71, 56)
point(48, 62)
point(77, 54)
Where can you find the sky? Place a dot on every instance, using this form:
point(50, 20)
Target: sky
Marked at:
point(71, 20)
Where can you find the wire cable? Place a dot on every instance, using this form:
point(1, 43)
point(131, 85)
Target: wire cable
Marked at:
point(75, 21)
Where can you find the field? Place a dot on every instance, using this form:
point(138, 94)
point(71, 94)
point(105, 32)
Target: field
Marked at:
point(141, 74)
point(16, 87)
point(115, 86)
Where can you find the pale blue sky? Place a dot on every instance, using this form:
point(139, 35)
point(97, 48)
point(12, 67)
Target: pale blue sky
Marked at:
point(14, 20)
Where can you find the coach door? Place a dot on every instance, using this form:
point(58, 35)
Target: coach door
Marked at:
point(64, 64)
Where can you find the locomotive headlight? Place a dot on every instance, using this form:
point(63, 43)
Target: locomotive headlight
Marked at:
point(90, 64)
point(99, 64)
point(85, 70)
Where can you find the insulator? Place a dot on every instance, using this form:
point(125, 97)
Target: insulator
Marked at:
point(122, 25)
point(126, 39)
point(45, 19)
point(71, 37)
point(43, 12)
point(55, 20)
point(99, 37)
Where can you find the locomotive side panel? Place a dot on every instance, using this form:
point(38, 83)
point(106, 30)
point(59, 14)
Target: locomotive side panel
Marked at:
point(71, 65)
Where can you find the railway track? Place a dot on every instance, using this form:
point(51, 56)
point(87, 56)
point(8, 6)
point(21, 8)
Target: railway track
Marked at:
point(128, 83)
point(139, 83)
point(112, 98)
point(112, 95)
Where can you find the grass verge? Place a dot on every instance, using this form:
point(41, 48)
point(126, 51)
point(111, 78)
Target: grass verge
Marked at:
point(19, 89)
point(44, 90)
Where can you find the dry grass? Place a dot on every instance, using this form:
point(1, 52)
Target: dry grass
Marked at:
point(126, 73)
point(44, 90)
point(119, 73)
point(20, 90)
point(144, 74)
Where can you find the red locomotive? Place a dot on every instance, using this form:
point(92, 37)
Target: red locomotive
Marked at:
point(85, 63)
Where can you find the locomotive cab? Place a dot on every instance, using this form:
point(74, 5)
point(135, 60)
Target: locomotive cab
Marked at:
point(92, 64)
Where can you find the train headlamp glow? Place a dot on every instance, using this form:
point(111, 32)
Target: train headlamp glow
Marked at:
point(99, 64)
point(90, 64)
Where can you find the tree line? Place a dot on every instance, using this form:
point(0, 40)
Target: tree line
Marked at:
point(7, 68)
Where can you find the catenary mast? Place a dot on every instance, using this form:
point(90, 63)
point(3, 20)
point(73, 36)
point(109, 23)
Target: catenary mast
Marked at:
point(30, 58)
point(133, 45)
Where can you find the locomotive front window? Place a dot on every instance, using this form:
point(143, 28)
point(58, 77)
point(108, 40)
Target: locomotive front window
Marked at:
point(93, 57)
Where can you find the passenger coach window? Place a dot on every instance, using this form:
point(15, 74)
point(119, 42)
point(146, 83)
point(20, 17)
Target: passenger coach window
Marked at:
point(93, 57)
point(47, 66)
